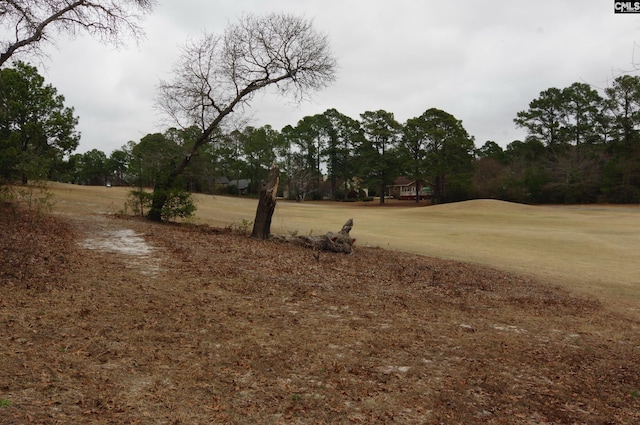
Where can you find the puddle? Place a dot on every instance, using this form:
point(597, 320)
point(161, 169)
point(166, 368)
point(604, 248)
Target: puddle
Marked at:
point(127, 242)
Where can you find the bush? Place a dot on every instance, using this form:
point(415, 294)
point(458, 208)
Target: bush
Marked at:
point(179, 204)
point(33, 197)
point(138, 201)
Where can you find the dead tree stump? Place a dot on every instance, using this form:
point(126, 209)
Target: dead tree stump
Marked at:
point(266, 205)
point(339, 242)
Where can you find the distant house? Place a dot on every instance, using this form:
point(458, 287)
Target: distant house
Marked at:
point(221, 182)
point(405, 188)
point(241, 184)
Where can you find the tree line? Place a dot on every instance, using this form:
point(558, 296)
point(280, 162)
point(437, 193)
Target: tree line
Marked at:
point(581, 147)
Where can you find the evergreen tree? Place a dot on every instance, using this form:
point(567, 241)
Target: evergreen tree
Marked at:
point(378, 156)
point(448, 154)
point(36, 129)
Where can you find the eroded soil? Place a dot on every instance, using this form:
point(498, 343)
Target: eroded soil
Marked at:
point(106, 320)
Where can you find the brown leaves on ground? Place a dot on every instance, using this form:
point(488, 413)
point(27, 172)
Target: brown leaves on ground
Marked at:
point(32, 248)
point(210, 326)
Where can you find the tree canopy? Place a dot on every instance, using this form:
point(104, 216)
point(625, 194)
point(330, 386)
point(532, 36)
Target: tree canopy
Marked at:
point(377, 154)
point(36, 128)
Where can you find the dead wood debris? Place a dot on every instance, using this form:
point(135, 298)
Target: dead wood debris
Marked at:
point(340, 242)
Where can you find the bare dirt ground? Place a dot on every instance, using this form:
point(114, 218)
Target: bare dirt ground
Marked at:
point(106, 320)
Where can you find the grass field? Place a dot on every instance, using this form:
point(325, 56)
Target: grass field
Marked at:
point(106, 319)
point(595, 249)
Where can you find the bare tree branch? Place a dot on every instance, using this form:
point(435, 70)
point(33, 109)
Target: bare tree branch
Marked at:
point(217, 73)
point(32, 22)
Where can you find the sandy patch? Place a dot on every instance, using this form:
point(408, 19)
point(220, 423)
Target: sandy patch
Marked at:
point(127, 242)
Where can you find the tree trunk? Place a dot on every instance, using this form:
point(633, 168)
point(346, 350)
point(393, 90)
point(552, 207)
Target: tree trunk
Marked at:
point(437, 190)
point(266, 206)
point(157, 203)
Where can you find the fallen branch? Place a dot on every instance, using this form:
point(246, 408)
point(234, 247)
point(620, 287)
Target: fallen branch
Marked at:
point(339, 242)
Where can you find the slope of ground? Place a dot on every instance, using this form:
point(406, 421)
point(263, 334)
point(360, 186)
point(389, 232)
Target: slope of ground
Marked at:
point(192, 324)
point(486, 206)
point(591, 249)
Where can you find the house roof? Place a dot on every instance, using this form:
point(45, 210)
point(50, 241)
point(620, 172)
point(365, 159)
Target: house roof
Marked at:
point(402, 181)
point(240, 183)
point(406, 181)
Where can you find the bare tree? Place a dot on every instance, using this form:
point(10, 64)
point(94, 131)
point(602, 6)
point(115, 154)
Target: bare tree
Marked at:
point(217, 74)
point(30, 23)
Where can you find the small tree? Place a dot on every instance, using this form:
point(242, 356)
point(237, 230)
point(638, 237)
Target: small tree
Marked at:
point(218, 74)
point(29, 23)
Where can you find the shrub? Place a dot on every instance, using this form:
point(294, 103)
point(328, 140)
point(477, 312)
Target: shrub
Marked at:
point(179, 204)
point(244, 226)
point(138, 201)
point(35, 197)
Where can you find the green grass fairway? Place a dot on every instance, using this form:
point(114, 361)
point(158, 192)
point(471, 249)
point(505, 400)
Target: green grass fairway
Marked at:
point(594, 249)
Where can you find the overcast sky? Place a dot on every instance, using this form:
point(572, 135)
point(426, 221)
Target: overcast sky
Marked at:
point(481, 61)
